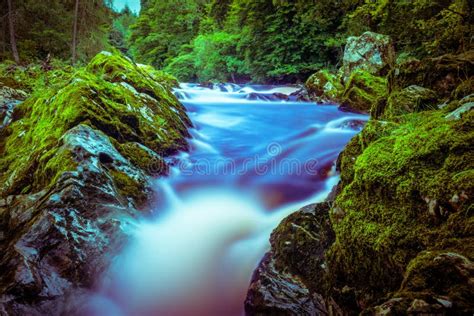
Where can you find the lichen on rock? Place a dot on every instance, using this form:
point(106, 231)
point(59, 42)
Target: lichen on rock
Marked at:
point(371, 52)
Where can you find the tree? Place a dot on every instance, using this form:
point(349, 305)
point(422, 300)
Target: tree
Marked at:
point(11, 25)
point(74, 32)
point(163, 27)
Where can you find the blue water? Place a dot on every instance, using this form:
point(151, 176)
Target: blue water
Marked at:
point(253, 160)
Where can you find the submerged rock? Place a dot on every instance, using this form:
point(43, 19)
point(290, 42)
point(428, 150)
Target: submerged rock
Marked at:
point(371, 52)
point(74, 172)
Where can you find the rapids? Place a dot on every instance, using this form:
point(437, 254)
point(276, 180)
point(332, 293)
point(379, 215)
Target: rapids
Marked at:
point(254, 158)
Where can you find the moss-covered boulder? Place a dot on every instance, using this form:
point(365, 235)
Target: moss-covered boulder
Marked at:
point(362, 91)
point(400, 238)
point(406, 190)
point(371, 52)
point(112, 95)
point(410, 99)
point(324, 87)
point(75, 166)
point(465, 88)
point(442, 74)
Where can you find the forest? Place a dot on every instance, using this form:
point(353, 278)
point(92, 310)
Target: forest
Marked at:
point(231, 157)
point(239, 41)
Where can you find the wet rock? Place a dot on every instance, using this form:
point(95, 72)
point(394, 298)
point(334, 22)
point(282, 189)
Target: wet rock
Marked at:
point(324, 87)
point(277, 96)
point(300, 95)
point(280, 96)
point(8, 94)
point(9, 98)
point(371, 52)
point(274, 292)
point(288, 280)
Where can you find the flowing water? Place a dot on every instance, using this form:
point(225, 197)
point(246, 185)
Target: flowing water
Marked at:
point(253, 160)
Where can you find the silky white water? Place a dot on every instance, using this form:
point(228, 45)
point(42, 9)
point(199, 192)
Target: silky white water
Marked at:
point(253, 160)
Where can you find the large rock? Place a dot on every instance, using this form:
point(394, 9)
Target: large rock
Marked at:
point(288, 281)
point(400, 237)
point(406, 187)
point(273, 291)
point(362, 91)
point(324, 87)
point(442, 74)
point(371, 52)
point(410, 99)
point(75, 168)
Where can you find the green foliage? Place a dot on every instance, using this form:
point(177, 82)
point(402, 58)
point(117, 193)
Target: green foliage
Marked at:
point(279, 40)
point(45, 27)
point(421, 27)
point(266, 40)
point(120, 32)
point(213, 57)
point(163, 27)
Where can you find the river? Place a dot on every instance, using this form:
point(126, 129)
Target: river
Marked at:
point(253, 160)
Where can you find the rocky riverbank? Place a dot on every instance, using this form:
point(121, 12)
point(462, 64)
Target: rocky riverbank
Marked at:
point(76, 161)
point(396, 236)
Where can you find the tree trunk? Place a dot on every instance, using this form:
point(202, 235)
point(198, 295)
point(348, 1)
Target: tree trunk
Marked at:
point(74, 33)
point(4, 37)
point(12, 32)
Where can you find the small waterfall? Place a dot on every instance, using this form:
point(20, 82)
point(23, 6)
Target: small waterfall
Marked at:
point(254, 159)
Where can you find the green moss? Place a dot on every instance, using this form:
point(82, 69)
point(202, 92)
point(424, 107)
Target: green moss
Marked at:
point(409, 100)
point(33, 77)
point(441, 74)
point(129, 187)
point(324, 86)
point(143, 158)
point(464, 89)
point(440, 274)
point(399, 184)
point(363, 90)
point(104, 99)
